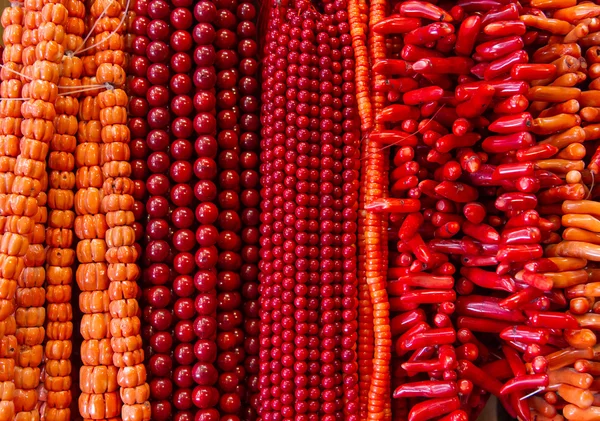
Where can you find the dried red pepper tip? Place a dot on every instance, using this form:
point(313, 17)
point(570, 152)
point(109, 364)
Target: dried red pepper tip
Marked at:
point(509, 12)
point(521, 383)
point(427, 389)
point(425, 10)
point(487, 307)
point(396, 25)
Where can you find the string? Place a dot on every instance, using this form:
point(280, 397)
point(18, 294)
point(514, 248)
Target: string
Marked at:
point(592, 185)
point(405, 137)
point(535, 392)
point(2, 66)
point(111, 34)
point(80, 91)
point(91, 31)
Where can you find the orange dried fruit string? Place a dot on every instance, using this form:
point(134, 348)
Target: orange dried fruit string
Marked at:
point(11, 265)
point(99, 398)
point(117, 205)
point(376, 162)
point(61, 220)
point(43, 50)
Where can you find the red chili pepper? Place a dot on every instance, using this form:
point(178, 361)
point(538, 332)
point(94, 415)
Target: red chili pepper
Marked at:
point(520, 298)
point(428, 33)
point(426, 389)
point(507, 142)
point(466, 370)
point(453, 246)
point(402, 322)
point(442, 320)
point(467, 351)
point(391, 67)
point(497, 48)
point(432, 125)
point(516, 202)
point(524, 235)
point(446, 44)
point(396, 25)
point(438, 157)
point(520, 253)
point(414, 53)
point(512, 105)
point(447, 230)
point(400, 343)
point(420, 249)
point(458, 192)
point(474, 212)
point(504, 65)
point(487, 307)
point(529, 218)
point(443, 66)
point(447, 355)
point(537, 152)
point(392, 205)
point(470, 260)
point(521, 383)
point(509, 12)
point(425, 10)
point(526, 334)
point(514, 361)
point(512, 123)
point(410, 226)
point(505, 28)
point(433, 408)
point(479, 69)
point(548, 319)
point(459, 415)
point(425, 366)
point(513, 170)
point(469, 160)
point(531, 71)
point(427, 296)
point(537, 280)
point(451, 141)
point(504, 88)
point(481, 232)
point(542, 265)
point(499, 369)
point(430, 337)
point(482, 325)
point(422, 95)
point(397, 112)
point(399, 85)
point(466, 336)
point(477, 103)
point(488, 280)
point(425, 280)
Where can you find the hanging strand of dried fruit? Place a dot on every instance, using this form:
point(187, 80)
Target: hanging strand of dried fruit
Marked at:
point(61, 219)
point(10, 133)
point(97, 375)
point(117, 206)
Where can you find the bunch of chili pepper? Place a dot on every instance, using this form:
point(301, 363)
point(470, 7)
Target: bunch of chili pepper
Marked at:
point(484, 123)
